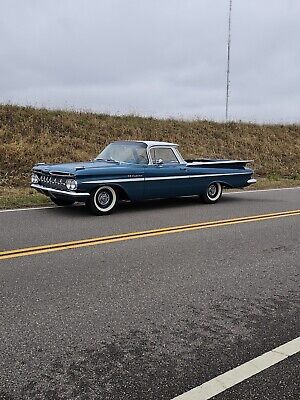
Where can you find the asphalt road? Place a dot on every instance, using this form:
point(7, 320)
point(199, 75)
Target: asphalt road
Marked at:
point(278, 382)
point(149, 318)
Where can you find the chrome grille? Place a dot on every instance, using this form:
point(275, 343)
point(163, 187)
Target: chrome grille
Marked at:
point(52, 181)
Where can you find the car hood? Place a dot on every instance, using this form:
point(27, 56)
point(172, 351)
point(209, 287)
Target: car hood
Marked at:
point(76, 166)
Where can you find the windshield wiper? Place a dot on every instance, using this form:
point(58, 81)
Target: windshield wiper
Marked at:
point(107, 160)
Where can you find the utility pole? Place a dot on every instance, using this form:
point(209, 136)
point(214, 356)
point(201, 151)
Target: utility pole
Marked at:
point(228, 60)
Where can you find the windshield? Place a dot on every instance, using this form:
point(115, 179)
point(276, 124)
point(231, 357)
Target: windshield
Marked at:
point(133, 153)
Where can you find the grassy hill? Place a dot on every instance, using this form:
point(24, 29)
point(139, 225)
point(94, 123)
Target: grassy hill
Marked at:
point(29, 135)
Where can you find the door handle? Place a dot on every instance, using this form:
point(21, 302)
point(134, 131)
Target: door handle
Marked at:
point(183, 169)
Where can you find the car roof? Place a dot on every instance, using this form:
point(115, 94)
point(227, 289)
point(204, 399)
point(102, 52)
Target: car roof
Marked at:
point(149, 143)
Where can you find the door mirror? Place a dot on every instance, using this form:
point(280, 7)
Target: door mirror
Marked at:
point(159, 161)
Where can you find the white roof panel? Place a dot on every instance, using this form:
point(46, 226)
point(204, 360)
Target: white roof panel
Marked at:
point(150, 143)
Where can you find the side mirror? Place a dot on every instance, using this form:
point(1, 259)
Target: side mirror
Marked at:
point(159, 161)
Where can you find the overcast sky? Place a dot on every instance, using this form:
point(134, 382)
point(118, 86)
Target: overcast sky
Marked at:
point(153, 57)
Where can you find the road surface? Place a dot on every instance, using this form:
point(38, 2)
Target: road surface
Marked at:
point(155, 315)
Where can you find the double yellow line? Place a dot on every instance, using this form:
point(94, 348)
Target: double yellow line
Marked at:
point(29, 251)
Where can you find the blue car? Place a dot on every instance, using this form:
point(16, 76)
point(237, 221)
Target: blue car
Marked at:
point(136, 171)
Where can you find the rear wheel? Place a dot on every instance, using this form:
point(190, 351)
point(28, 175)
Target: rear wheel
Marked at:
point(103, 200)
point(213, 193)
point(62, 202)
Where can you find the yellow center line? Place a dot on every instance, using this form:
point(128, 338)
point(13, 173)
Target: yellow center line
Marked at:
point(141, 234)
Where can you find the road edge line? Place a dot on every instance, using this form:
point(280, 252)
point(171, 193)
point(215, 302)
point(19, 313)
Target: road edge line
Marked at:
point(29, 208)
point(222, 382)
point(262, 190)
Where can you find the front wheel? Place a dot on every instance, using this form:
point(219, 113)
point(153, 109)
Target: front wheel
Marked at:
point(213, 193)
point(103, 200)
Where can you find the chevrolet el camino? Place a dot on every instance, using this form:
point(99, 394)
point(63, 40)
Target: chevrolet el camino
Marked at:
point(136, 171)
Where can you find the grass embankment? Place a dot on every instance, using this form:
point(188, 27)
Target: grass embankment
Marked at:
point(29, 135)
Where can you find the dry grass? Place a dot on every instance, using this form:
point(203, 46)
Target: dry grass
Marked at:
point(29, 135)
point(21, 197)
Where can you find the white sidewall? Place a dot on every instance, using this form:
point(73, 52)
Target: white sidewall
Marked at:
point(219, 191)
point(114, 196)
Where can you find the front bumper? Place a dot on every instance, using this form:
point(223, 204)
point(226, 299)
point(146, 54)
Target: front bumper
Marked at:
point(60, 193)
point(251, 181)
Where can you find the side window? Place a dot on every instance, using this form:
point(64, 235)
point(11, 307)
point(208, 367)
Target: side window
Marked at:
point(142, 157)
point(167, 155)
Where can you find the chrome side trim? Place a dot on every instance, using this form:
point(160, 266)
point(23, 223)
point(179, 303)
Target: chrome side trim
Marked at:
point(226, 174)
point(250, 181)
point(193, 176)
point(161, 178)
point(196, 163)
point(117, 180)
point(33, 185)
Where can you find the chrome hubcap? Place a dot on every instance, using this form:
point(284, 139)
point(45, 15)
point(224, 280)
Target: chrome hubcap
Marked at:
point(103, 199)
point(212, 191)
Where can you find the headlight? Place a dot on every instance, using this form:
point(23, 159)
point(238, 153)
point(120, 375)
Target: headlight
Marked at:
point(34, 178)
point(71, 184)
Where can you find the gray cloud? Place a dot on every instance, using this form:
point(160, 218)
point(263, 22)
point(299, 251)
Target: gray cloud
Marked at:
point(153, 57)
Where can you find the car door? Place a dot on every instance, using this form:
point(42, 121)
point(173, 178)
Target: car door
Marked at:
point(165, 176)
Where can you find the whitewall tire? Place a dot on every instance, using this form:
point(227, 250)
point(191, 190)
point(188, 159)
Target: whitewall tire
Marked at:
point(103, 200)
point(213, 193)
